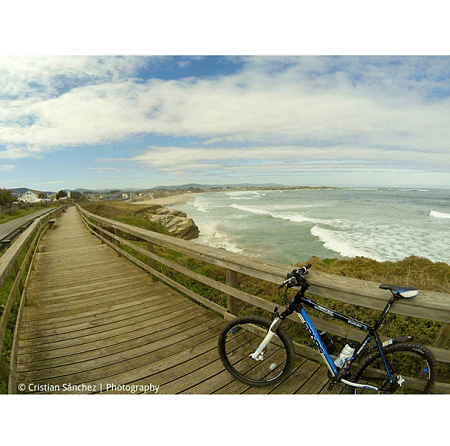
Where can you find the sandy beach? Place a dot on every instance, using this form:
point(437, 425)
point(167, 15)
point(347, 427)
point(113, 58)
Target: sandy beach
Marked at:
point(170, 200)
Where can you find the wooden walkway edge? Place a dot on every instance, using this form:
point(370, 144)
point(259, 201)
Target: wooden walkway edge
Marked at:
point(95, 323)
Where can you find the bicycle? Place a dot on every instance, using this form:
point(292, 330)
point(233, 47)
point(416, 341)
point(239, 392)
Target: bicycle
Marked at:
point(259, 352)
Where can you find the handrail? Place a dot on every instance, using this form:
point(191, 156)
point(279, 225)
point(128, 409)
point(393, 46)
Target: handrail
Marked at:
point(26, 244)
point(427, 305)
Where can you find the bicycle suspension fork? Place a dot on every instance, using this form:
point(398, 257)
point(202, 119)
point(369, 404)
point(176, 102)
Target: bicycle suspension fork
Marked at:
point(258, 354)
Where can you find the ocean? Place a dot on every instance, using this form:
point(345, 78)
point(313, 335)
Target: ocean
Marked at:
point(290, 226)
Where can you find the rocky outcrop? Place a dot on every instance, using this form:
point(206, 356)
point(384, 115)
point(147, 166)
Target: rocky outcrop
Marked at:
point(175, 221)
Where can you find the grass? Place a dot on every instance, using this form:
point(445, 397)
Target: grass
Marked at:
point(4, 294)
point(415, 271)
point(124, 213)
point(4, 218)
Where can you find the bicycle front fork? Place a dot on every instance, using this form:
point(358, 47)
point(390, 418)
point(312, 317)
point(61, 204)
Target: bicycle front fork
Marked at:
point(258, 354)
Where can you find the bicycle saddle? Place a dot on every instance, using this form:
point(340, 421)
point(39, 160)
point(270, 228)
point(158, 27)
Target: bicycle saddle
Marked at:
point(406, 292)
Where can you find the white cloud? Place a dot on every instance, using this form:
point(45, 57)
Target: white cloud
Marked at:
point(12, 152)
point(51, 182)
point(6, 167)
point(104, 169)
point(37, 77)
point(278, 110)
point(288, 159)
point(183, 63)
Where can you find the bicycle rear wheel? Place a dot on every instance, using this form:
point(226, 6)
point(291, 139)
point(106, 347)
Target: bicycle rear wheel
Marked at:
point(408, 361)
point(241, 337)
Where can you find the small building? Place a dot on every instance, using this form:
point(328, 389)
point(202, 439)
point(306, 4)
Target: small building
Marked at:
point(30, 196)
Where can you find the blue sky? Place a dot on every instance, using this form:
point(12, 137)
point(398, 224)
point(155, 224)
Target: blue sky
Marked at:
point(99, 122)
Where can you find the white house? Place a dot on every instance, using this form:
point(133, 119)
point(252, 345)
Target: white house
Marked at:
point(30, 196)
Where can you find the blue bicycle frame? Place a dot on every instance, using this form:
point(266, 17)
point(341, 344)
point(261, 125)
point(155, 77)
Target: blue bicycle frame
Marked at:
point(337, 374)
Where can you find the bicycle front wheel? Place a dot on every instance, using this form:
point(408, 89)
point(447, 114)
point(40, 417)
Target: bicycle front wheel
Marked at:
point(241, 337)
point(412, 367)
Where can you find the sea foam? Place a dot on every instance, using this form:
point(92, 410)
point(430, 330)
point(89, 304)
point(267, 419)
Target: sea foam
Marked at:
point(295, 217)
point(211, 235)
point(436, 214)
point(341, 243)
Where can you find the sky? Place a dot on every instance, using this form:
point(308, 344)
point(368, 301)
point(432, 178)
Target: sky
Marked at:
point(108, 122)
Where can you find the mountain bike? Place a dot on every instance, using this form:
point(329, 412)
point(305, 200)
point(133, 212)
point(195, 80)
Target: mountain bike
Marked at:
point(259, 352)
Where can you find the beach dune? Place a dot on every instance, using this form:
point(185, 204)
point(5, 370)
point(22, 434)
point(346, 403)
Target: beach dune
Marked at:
point(169, 200)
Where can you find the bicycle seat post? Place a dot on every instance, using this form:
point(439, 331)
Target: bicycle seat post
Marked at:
point(385, 311)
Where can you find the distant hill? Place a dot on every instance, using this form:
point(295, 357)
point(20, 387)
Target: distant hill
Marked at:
point(19, 190)
point(211, 186)
point(22, 190)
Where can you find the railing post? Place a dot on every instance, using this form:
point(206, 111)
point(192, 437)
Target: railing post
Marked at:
point(4, 369)
point(151, 262)
point(116, 232)
point(231, 280)
point(443, 336)
point(12, 384)
point(17, 269)
point(100, 224)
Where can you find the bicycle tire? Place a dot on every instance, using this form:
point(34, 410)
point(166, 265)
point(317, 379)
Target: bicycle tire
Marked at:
point(412, 361)
point(241, 337)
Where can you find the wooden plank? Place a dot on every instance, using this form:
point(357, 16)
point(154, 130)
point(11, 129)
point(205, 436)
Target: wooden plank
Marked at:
point(337, 389)
point(117, 301)
point(73, 290)
point(316, 381)
point(130, 340)
point(59, 279)
point(130, 303)
point(208, 379)
point(293, 382)
point(96, 367)
point(56, 334)
point(107, 294)
point(171, 367)
point(100, 319)
point(237, 387)
point(106, 373)
point(94, 334)
point(234, 387)
point(55, 294)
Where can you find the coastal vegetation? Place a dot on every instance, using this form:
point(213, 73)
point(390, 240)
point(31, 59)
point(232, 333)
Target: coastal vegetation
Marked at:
point(6, 197)
point(124, 213)
point(4, 294)
point(4, 218)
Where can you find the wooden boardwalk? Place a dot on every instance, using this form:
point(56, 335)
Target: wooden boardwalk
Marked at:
point(95, 323)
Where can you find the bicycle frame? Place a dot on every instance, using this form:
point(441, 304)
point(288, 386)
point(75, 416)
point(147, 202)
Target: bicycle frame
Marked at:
point(296, 306)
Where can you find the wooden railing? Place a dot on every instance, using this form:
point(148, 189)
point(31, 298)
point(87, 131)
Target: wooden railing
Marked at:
point(20, 258)
point(427, 305)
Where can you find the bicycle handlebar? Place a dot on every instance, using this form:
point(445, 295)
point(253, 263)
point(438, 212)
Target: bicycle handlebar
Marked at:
point(295, 277)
